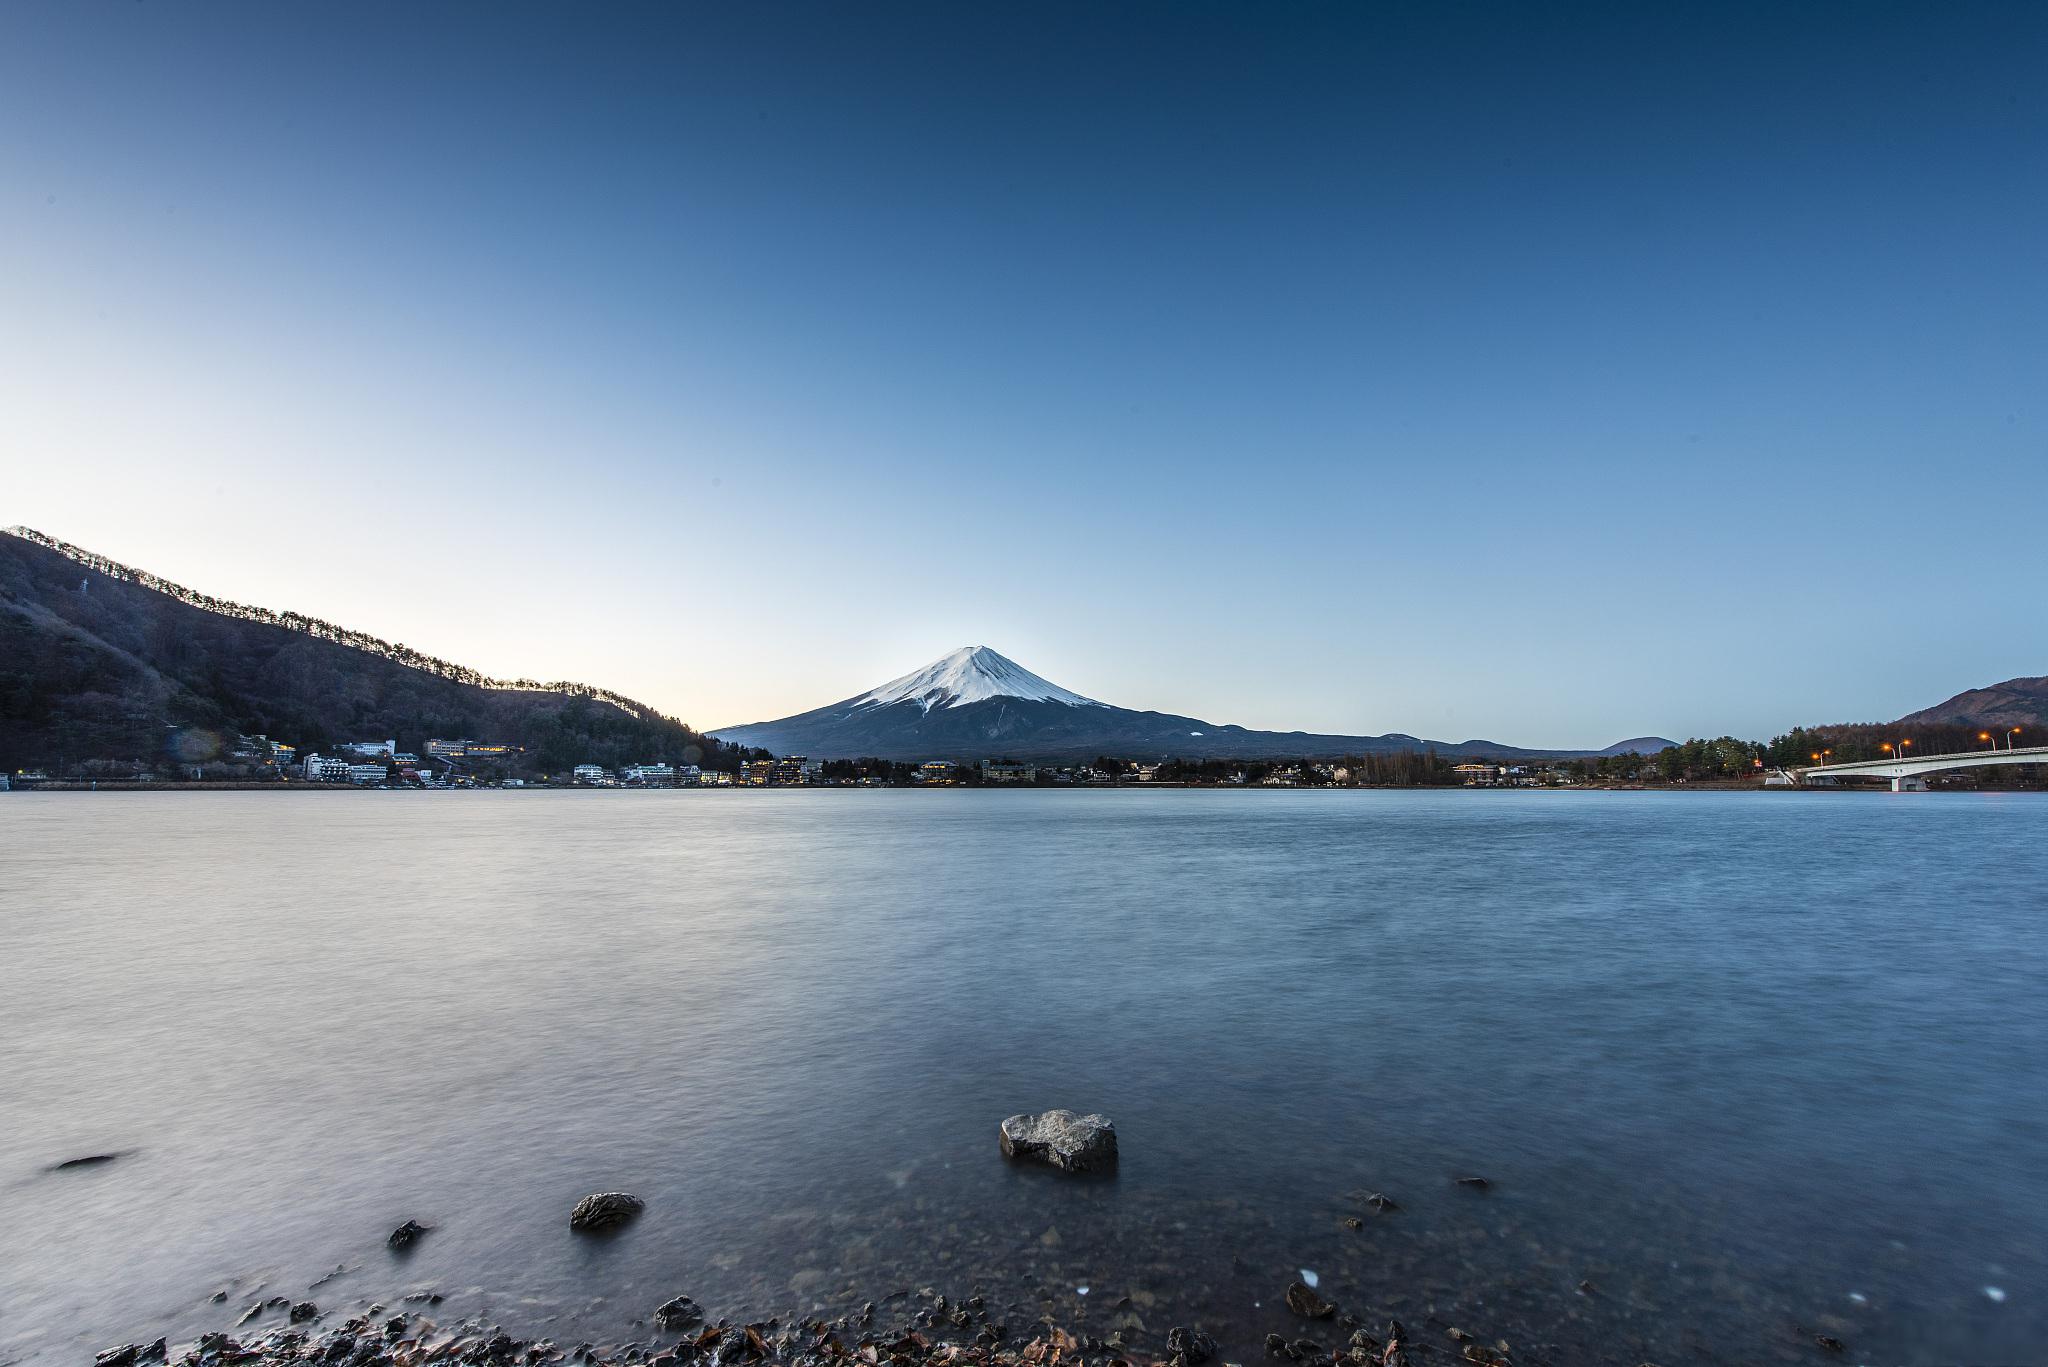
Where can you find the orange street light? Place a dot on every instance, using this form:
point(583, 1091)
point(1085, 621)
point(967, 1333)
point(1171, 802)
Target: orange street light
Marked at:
point(1985, 735)
point(2009, 735)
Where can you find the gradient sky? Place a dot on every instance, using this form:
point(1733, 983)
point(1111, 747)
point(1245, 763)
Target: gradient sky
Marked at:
point(1552, 374)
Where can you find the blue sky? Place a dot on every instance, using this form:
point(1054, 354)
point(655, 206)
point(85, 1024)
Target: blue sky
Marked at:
point(1550, 374)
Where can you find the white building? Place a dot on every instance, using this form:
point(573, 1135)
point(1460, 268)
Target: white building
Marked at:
point(366, 748)
point(324, 769)
point(648, 773)
point(368, 773)
point(589, 773)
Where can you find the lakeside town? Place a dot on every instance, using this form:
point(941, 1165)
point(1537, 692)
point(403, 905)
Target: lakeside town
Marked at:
point(464, 763)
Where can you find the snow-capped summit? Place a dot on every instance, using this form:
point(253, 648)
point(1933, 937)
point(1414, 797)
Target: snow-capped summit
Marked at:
point(970, 674)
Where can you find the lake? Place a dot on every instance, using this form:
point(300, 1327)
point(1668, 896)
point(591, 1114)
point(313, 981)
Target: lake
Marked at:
point(1750, 1066)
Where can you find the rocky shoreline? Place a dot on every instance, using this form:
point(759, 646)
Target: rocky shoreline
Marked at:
point(912, 1329)
point(905, 1329)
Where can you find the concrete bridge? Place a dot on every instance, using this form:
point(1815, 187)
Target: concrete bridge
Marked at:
point(1905, 770)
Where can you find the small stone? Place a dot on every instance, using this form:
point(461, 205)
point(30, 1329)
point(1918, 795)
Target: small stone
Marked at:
point(1276, 1346)
point(1353, 1222)
point(1833, 1345)
point(1381, 1202)
point(91, 1160)
point(1476, 1183)
point(1302, 1300)
point(405, 1234)
point(123, 1356)
point(304, 1311)
point(1190, 1345)
point(1073, 1143)
point(604, 1210)
point(156, 1352)
point(677, 1313)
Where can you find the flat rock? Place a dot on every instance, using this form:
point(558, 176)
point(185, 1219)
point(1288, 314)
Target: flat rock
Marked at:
point(678, 1313)
point(604, 1210)
point(1074, 1143)
point(91, 1160)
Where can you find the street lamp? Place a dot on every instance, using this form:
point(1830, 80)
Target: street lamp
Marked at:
point(1985, 735)
point(2009, 735)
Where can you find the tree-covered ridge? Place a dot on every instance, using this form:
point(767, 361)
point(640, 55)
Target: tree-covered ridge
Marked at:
point(103, 667)
point(326, 631)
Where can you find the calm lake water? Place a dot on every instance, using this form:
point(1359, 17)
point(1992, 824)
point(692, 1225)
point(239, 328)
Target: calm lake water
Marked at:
point(1756, 1066)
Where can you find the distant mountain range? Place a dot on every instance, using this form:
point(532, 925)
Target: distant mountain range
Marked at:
point(975, 703)
point(101, 661)
point(98, 660)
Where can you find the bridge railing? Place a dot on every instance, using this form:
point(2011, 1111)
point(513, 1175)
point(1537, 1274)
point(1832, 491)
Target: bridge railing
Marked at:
point(2031, 754)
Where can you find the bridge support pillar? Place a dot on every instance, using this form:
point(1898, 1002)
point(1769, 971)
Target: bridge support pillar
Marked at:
point(1909, 785)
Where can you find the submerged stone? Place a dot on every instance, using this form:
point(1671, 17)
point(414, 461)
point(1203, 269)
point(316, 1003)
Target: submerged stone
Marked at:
point(1303, 1300)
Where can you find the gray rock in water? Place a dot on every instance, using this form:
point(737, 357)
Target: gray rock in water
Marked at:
point(405, 1234)
point(1077, 1143)
point(678, 1313)
point(1303, 1301)
point(604, 1210)
point(1190, 1345)
point(91, 1160)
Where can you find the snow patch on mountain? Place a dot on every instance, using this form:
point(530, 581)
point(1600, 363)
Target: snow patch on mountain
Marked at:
point(968, 675)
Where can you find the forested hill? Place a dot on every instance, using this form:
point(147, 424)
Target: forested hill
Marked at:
point(102, 662)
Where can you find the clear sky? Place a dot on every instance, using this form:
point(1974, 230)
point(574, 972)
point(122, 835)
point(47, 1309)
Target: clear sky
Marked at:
point(1546, 373)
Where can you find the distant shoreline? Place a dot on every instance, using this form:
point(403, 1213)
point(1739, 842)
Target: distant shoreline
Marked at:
point(78, 785)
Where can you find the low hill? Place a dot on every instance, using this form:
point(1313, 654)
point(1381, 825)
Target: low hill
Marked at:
point(1640, 745)
point(2016, 702)
point(102, 662)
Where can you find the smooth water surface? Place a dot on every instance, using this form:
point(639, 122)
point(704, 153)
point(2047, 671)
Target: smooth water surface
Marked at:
point(1754, 1066)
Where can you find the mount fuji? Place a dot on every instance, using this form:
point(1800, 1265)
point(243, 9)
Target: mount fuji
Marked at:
point(976, 704)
